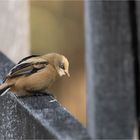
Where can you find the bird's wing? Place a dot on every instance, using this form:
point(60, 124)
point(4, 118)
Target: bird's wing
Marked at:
point(27, 58)
point(26, 68)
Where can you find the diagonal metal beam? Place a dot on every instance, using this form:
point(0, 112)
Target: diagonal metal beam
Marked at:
point(35, 117)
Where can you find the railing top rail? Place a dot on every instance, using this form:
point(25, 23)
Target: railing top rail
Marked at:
point(35, 116)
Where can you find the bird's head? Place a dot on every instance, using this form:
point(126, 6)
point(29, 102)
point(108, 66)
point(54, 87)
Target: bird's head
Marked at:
point(60, 63)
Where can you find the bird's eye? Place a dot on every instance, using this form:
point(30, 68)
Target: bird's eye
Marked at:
point(62, 66)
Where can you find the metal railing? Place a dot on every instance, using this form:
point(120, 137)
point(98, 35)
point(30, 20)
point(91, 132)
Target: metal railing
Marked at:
point(35, 117)
point(112, 56)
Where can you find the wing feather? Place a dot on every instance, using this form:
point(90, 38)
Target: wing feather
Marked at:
point(27, 58)
point(25, 69)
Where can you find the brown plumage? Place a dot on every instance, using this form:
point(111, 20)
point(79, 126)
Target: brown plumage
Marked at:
point(35, 73)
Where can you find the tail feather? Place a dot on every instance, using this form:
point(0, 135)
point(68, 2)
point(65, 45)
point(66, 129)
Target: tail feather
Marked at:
point(4, 88)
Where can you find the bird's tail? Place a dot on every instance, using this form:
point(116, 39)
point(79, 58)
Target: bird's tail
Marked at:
point(4, 88)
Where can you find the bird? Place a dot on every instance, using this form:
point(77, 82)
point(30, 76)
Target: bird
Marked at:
point(35, 73)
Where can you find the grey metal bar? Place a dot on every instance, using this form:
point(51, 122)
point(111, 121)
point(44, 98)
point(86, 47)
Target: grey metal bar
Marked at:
point(35, 117)
point(137, 39)
point(110, 70)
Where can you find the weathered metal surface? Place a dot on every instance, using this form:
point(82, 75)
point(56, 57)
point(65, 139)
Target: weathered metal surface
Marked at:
point(35, 117)
point(110, 70)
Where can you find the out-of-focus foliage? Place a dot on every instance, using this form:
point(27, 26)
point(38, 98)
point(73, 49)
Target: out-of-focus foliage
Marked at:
point(57, 26)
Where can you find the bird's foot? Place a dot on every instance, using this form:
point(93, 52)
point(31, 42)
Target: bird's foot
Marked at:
point(39, 93)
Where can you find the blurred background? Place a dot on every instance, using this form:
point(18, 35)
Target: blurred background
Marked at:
point(57, 26)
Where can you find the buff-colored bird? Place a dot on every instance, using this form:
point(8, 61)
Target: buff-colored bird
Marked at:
point(35, 74)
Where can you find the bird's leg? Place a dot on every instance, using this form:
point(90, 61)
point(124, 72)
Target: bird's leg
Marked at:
point(32, 93)
point(40, 93)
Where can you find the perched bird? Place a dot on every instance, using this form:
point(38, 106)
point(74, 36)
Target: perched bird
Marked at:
point(35, 74)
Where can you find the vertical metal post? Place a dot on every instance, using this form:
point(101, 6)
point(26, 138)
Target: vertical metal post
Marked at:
point(110, 70)
point(137, 31)
point(134, 24)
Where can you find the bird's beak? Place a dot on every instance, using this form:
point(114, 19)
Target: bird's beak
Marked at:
point(63, 72)
point(67, 73)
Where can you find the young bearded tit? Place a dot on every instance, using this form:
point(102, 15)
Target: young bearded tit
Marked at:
point(35, 74)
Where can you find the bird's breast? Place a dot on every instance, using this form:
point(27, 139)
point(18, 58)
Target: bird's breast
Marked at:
point(40, 81)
